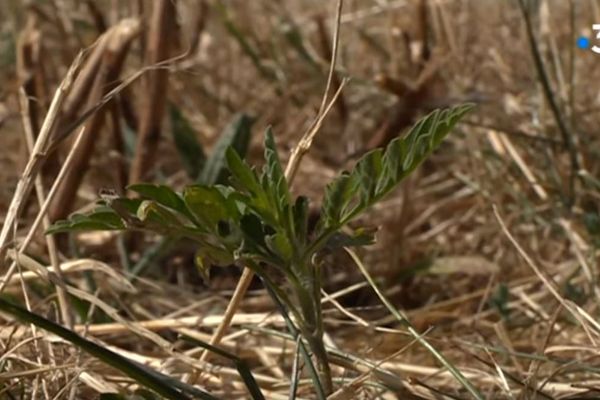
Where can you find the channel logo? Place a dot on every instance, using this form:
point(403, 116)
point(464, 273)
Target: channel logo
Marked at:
point(584, 42)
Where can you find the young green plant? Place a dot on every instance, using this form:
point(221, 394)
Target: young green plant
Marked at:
point(256, 222)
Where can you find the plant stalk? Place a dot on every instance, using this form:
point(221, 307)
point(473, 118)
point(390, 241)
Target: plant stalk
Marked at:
point(315, 342)
point(311, 325)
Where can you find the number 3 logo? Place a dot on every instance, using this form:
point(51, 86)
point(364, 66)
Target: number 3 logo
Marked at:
point(596, 28)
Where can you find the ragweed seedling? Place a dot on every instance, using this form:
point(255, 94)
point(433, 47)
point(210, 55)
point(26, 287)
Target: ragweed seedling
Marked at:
point(256, 222)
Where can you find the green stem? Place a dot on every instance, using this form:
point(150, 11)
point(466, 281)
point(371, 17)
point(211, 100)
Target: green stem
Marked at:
point(296, 333)
point(315, 342)
point(308, 294)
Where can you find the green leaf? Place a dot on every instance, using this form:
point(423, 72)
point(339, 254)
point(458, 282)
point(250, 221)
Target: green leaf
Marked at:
point(243, 174)
point(403, 155)
point(274, 181)
point(338, 194)
point(162, 384)
point(210, 206)
point(162, 194)
point(378, 172)
point(187, 144)
point(280, 246)
point(367, 173)
point(255, 234)
point(125, 208)
point(237, 136)
point(102, 219)
point(247, 181)
point(207, 255)
point(153, 216)
point(300, 216)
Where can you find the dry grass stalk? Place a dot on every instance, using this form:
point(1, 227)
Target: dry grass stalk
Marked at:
point(76, 266)
point(33, 265)
point(65, 131)
point(160, 35)
point(85, 81)
point(124, 328)
point(115, 46)
point(47, 274)
point(231, 310)
point(31, 71)
point(336, 81)
point(37, 158)
point(32, 75)
point(117, 153)
point(591, 327)
point(63, 300)
point(512, 151)
point(201, 13)
point(166, 322)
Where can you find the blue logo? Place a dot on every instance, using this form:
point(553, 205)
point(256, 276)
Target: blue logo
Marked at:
point(584, 42)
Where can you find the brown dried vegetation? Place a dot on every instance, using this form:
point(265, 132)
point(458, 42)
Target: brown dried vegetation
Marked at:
point(489, 248)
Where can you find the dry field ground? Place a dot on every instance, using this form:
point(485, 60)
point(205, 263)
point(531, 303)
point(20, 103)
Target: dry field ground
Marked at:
point(487, 253)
